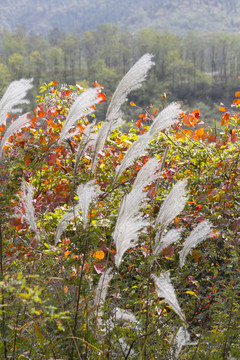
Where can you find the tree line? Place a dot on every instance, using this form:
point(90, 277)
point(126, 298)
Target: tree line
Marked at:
point(197, 68)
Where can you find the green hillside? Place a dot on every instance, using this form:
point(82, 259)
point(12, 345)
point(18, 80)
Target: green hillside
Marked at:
point(78, 16)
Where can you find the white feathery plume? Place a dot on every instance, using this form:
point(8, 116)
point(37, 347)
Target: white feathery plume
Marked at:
point(172, 205)
point(123, 315)
point(137, 149)
point(182, 338)
point(86, 194)
point(166, 290)
point(87, 140)
point(165, 118)
point(26, 197)
point(106, 129)
point(14, 95)
point(15, 126)
point(81, 107)
point(130, 222)
point(102, 288)
point(65, 220)
point(171, 237)
point(126, 233)
point(147, 174)
point(131, 81)
point(197, 235)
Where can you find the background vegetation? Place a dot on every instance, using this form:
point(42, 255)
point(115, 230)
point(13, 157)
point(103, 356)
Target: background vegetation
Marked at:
point(201, 71)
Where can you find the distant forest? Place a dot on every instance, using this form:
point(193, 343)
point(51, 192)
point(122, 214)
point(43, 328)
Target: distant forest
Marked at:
point(75, 16)
point(197, 69)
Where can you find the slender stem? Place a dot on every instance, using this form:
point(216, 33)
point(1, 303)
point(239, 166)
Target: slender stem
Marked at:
point(3, 302)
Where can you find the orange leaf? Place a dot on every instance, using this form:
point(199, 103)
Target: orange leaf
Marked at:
point(97, 84)
point(132, 103)
point(236, 101)
point(225, 119)
point(155, 111)
point(221, 108)
point(67, 253)
point(98, 255)
point(2, 128)
point(237, 94)
point(199, 133)
point(65, 289)
point(55, 83)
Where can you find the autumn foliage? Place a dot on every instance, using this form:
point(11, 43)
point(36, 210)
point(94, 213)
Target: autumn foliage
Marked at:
point(63, 294)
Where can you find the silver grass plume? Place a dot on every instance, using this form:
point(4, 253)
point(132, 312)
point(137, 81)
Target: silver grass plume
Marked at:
point(65, 220)
point(147, 174)
point(87, 140)
point(131, 81)
point(14, 95)
point(26, 198)
point(15, 126)
point(137, 149)
point(172, 206)
point(102, 288)
point(130, 222)
point(105, 130)
point(166, 118)
point(126, 234)
point(171, 237)
point(81, 107)
point(200, 233)
point(123, 315)
point(166, 291)
point(182, 338)
point(86, 194)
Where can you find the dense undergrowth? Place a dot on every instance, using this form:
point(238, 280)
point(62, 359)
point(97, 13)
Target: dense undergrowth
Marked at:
point(117, 245)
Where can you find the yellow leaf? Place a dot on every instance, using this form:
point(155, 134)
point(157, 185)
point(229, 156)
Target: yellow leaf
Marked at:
point(191, 293)
point(65, 289)
point(132, 103)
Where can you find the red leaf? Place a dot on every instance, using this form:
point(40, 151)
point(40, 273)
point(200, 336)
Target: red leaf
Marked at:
point(102, 97)
point(196, 113)
point(55, 83)
point(212, 138)
point(51, 158)
point(139, 123)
